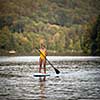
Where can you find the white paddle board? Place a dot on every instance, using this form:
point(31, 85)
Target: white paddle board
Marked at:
point(40, 74)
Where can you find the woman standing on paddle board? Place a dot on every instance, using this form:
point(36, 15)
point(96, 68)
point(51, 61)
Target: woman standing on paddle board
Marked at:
point(42, 60)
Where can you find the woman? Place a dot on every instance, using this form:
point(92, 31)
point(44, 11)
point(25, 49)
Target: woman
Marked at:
point(42, 61)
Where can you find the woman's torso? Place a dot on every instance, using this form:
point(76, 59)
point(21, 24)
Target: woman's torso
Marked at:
point(42, 53)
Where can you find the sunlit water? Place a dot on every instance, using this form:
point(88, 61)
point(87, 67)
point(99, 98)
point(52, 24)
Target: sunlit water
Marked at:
point(79, 79)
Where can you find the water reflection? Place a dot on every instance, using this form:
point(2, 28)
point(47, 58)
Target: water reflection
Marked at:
point(42, 88)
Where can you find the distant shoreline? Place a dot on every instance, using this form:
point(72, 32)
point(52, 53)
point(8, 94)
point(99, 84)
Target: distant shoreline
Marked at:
point(49, 54)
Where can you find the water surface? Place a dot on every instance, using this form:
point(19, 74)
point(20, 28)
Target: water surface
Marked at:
point(79, 79)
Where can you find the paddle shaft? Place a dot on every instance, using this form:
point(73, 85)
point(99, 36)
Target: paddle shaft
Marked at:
point(56, 70)
point(46, 59)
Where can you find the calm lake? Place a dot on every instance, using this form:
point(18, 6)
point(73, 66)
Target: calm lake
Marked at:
point(79, 78)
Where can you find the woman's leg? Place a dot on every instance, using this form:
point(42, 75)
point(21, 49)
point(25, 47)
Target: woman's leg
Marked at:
point(44, 66)
point(40, 65)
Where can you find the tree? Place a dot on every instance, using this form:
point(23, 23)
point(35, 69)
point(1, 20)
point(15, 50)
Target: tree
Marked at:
point(95, 38)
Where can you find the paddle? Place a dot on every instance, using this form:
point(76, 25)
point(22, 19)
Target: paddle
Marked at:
point(56, 70)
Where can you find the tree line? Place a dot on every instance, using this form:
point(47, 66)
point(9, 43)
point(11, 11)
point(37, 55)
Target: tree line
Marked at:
point(65, 26)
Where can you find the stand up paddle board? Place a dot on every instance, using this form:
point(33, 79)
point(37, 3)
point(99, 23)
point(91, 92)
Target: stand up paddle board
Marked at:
point(40, 74)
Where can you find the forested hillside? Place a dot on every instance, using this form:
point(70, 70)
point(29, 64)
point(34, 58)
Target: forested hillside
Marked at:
point(65, 26)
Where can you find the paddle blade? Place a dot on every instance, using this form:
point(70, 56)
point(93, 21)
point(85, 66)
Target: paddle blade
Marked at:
point(56, 70)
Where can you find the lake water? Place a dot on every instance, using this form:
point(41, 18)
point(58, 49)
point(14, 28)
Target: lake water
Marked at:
point(79, 78)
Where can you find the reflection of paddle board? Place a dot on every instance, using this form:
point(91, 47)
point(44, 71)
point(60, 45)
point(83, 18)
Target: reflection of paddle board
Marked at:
point(40, 75)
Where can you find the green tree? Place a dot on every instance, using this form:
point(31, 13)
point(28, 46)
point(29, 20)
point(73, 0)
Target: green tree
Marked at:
point(4, 38)
point(95, 38)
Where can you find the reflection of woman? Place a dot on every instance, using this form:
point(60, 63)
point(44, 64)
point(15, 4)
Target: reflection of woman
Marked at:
point(43, 54)
point(42, 88)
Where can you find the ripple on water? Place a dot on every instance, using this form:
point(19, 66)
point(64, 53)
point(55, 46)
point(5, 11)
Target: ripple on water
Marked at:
point(77, 80)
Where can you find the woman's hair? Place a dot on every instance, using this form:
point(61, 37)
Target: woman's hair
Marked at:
point(42, 45)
